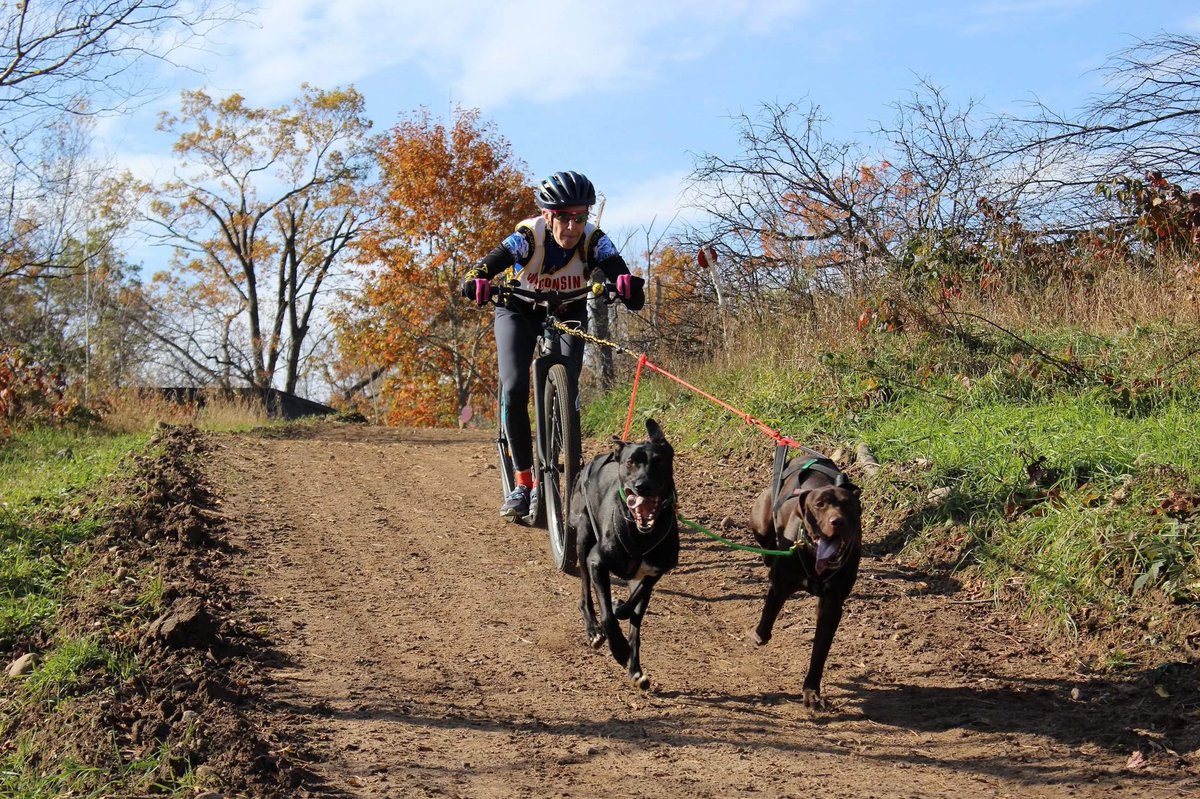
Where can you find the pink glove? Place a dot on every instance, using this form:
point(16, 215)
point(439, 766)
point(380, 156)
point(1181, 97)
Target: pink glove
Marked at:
point(625, 286)
point(482, 291)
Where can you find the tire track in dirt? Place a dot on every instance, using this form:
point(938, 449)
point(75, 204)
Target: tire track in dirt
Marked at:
point(430, 650)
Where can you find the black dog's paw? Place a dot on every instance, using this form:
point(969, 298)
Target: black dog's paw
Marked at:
point(760, 639)
point(814, 700)
point(595, 640)
point(640, 680)
point(619, 648)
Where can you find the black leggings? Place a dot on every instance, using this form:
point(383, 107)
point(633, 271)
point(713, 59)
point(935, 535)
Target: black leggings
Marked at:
point(516, 335)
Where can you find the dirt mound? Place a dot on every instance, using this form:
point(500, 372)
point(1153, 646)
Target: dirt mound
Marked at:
point(155, 589)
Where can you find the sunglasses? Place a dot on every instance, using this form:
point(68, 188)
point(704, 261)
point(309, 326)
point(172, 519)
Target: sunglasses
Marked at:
point(567, 217)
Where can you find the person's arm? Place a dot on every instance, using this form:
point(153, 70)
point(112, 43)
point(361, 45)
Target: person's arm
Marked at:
point(491, 264)
point(506, 255)
point(604, 256)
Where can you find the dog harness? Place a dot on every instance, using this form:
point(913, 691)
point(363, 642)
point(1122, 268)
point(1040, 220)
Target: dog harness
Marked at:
point(826, 466)
point(823, 465)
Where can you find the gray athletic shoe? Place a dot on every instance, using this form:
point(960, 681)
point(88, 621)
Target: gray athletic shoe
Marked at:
point(517, 504)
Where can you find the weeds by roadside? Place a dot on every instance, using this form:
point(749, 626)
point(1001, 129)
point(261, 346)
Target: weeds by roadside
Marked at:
point(128, 411)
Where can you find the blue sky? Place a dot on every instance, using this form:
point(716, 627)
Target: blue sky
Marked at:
point(630, 91)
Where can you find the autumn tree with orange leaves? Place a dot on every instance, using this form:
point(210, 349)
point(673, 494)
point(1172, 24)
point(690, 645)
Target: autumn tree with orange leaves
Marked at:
point(681, 312)
point(446, 196)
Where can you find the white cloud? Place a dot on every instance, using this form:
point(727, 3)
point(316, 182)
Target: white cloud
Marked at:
point(656, 205)
point(488, 53)
point(1008, 15)
point(148, 167)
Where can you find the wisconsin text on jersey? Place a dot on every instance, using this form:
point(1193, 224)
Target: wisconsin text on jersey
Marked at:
point(545, 282)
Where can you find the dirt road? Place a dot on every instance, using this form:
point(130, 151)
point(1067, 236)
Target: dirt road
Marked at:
point(426, 648)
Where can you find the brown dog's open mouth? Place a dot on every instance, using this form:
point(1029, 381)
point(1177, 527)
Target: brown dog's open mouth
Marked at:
point(830, 553)
point(644, 509)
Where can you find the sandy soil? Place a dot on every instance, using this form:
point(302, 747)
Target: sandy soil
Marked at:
point(424, 647)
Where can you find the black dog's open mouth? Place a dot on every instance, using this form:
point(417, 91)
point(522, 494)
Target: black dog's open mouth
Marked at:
point(644, 509)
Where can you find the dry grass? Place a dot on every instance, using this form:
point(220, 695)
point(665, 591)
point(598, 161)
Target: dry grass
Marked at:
point(1094, 296)
point(134, 411)
point(1103, 297)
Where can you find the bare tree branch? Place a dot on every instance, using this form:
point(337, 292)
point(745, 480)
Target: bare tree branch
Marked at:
point(262, 218)
point(1148, 120)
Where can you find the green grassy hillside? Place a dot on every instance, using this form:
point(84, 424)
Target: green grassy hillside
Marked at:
point(1059, 469)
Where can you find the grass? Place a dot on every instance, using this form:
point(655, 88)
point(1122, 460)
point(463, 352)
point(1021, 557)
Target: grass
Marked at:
point(46, 514)
point(71, 776)
point(48, 504)
point(1064, 462)
point(137, 411)
point(58, 498)
point(57, 494)
point(46, 466)
point(150, 597)
point(66, 667)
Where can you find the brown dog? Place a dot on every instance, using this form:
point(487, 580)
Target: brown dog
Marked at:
point(816, 513)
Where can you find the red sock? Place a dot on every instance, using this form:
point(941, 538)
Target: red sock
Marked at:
point(525, 478)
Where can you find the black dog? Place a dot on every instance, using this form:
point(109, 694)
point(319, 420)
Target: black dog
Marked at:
point(818, 509)
point(623, 519)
